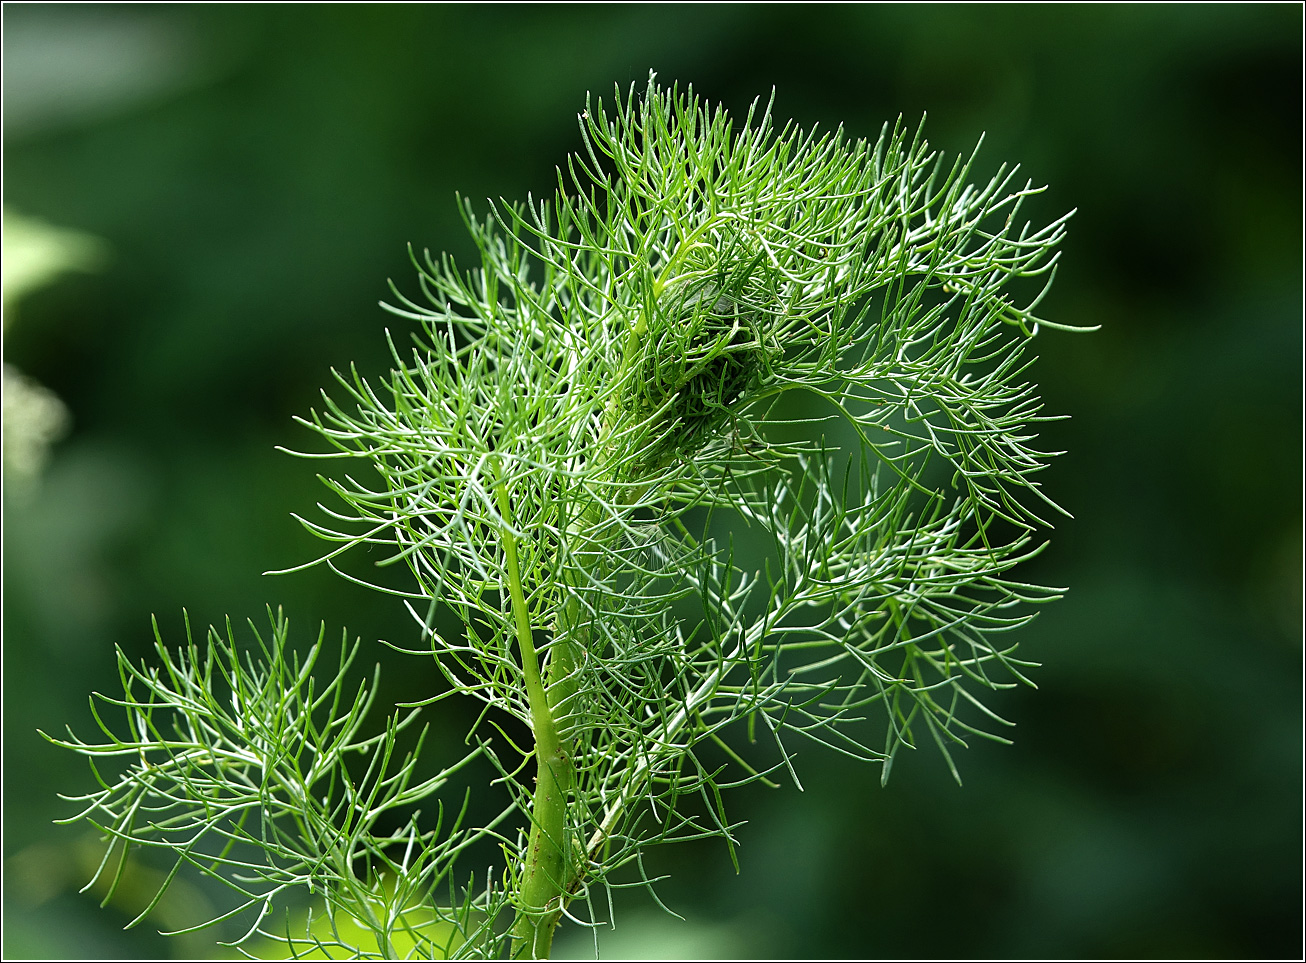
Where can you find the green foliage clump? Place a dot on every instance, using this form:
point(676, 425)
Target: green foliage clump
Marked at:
point(704, 353)
point(729, 440)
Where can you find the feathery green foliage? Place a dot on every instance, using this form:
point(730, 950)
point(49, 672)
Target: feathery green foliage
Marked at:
point(729, 440)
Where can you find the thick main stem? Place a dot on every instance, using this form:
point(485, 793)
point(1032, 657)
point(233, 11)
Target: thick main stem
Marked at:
point(551, 869)
point(545, 874)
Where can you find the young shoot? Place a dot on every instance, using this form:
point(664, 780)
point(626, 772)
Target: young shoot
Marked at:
point(729, 441)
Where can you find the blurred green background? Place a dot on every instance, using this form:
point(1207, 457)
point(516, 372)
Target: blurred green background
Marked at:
point(244, 179)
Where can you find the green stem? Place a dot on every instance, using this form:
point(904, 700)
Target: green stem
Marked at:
point(551, 871)
point(546, 873)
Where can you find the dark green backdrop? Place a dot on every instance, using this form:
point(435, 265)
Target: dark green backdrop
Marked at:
point(256, 173)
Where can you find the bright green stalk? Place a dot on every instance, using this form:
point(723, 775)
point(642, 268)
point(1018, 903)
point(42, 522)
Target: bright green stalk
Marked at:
point(545, 874)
